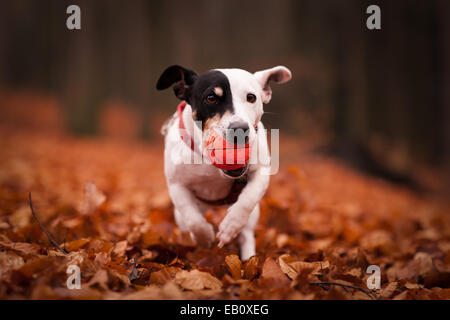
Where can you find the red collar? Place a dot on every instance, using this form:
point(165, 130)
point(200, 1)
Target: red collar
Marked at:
point(185, 136)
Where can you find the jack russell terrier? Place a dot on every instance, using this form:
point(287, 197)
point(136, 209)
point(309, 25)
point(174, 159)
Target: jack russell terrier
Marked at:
point(215, 103)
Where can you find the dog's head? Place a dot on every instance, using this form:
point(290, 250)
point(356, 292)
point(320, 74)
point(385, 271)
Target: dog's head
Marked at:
point(229, 101)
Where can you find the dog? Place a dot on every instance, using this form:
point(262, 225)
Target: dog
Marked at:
point(219, 100)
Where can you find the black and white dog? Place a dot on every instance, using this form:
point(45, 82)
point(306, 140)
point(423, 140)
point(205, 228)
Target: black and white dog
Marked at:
point(220, 99)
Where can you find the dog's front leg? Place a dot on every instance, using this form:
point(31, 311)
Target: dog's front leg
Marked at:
point(239, 213)
point(190, 214)
point(247, 235)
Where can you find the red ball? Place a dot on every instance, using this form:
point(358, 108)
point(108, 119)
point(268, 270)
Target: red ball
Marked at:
point(226, 155)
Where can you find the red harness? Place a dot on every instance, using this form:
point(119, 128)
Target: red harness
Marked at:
point(238, 184)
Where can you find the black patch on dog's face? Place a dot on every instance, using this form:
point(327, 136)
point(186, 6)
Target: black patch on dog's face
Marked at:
point(210, 83)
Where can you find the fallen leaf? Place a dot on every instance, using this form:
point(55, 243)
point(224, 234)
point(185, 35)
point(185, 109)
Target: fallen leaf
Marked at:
point(93, 199)
point(282, 240)
point(100, 279)
point(10, 261)
point(197, 280)
point(234, 265)
point(21, 247)
point(272, 272)
point(75, 244)
point(291, 267)
point(251, 268)
point(20, 218)
point(388, 290)
point(120, 248)
point(164, 275)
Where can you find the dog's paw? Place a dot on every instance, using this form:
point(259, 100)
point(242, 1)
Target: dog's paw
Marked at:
point(203, 234)
point(229, 228)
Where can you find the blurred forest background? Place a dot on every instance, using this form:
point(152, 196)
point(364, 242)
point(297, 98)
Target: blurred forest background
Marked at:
point(378, 98)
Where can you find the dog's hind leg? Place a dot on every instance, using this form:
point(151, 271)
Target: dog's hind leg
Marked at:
point(247, 235)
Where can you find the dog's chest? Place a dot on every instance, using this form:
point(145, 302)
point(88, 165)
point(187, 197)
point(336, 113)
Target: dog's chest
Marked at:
point(211, 187)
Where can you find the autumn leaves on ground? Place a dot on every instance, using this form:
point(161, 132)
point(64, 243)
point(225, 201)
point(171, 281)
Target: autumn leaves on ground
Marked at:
point(105, 202)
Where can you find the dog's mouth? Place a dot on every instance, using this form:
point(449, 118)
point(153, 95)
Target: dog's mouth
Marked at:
point(237, 173)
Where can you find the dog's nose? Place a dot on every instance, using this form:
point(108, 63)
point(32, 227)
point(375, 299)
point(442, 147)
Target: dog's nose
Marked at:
point(237, 132)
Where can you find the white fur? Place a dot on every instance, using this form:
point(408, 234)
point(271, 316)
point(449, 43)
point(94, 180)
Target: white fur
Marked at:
point(186, 182)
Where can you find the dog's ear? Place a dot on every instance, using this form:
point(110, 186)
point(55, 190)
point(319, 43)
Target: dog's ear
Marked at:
point(178, 76)
point(278, 74)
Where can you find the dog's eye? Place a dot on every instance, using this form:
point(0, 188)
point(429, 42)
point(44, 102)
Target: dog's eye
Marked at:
point(211, 99)
point(251, 98)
